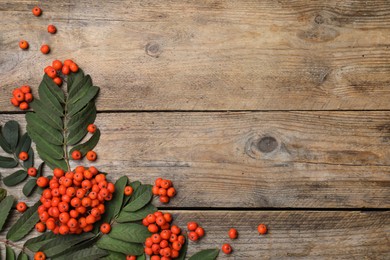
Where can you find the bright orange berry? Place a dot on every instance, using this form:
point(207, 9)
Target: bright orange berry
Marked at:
point(40, 227)
point(23, 106)
point(91, 128)
point(42, 182)
point(262, 229)
point(91, 156)
point(193, 236)
point(23, 45)
point(128, 190)
point(21, 207)
point(227, 249)
point(192, 226)
point(36, 11)
point(76, 155)
point(45, 49)
point(105, 228)
point(233, 234)
point(32, 171)
point(51, 29)
point(57, 64)
point(199, 231)
point(39, 256)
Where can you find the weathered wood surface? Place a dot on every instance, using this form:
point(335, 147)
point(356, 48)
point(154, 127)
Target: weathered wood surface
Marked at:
point(262, 159)
point(208, 55)
point(293, 234)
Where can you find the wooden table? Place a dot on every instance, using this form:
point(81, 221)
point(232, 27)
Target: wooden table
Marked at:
point(259, 111)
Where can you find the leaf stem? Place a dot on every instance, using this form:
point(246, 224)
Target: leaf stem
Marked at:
point(22, 248)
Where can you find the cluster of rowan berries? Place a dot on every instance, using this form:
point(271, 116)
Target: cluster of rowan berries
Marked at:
point(164, 189)
point(195, 231)
point(74, 201)
point(21, 97)
point(45, 49)
point(166, 241)
point(91, 155)
point(57, 66)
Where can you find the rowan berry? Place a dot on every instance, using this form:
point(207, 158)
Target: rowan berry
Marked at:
point(50, 224)
point(76, 155)
point(227, 249)
point(65, 70)
point(160, 220)
point(63, 206)
point(45, 49)
point(25, 89)
point(171, 192)
point(103, 184)
point(128, 190)
point(172, 238)
point(155, 257)
point(88, 228)
point(32, 171)
point(176, 245)
point(57, 81)
point(95, 212)
point(86, 202)
point(168, 217)
point(165, 226)
point(47, 194)
point(73, 67)
point(193, 236)
point(262, 229)
point(23, 45)
point(156, 238)
point(72, 223)
point(93, 170)
point(75, 202)
point(51, 72)
point(44, 216)
point(175, 230)
point(21, 207)
point(18, 95)
point(74, 213)
point(199, 231)
point(28, 97)
point(51, 29)
point(39, 256)
point(181, 239)
point(91, 128)
point(64, 229)
point(192, 226)
point(151, 218)
point(165, 184)
point(174, 253)
point(155, 190)
point(167, 252)
point(91, 156)
point(164, 199)
point(164, 243)
point(153, 228)
point(148, 251)
point(90, 219)
point(131, 257)
point(14, 102)
point(23, 156)
point(233, 233)
point(158, 213)
point(42, 182)
point(156, 248)
point(162, 192)
point(102, 208)
point(23, 106)
point(68, 62)
point(57, 64)
point(145, 222)
point(36, 11)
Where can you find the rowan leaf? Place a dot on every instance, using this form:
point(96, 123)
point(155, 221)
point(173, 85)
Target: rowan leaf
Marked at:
point(127, 248)
point(4, 144)
point(3, 194)
point(29, 187)
point(22, 256)
point(55, 151)
point(41, 110)
point(88, 145)
point(51, 134)
point(51, 162)
point(9, 253)
point(54, 89)
point(125, 216)
point(30, 161)
point(47, 97)
point(130, 232)
point(89, 111)
point(207, 254)
point(74, 79)
point(76, 105)
point(24, 144)
point(135, 185)
point(37, 242)
point(114, 256)
point(5, 206)
point(83, 84)
point(90, 253)
point(141, 257)
point(141, 197)
point(15, 178)
point(8, 162)
point(77, 133)
point(11, 134)
point(24, 224)
point(61, 244)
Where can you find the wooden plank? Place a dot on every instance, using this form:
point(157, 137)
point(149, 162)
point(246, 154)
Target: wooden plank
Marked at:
point(296, 234)
point(262, 159)
point(208, 55)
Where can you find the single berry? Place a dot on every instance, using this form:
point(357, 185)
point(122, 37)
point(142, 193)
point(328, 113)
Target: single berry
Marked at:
point(105, 228)
point(227, 249)
point(40, 227)
point(23, 45)
point(39, 256)
point(36, 11)
point(91, 156)
point(18, 95)
point(131, 257)
point(76, 155)
point(51, 29)
point(21, 207)
point(233, 234)
point(51, 72)
point(32, 171)
point(42, 182)
point(262, 229)
point(171, 192)
point(91, 128)
point(45, 49)
point(23, 156)
point(164, 199)
point(68, 62)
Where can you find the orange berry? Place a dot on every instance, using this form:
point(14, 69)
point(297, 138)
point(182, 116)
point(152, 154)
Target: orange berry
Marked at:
point(86, 202)
point(42, 182)
point(227, 249)
point(45, 49)
point(74, 213)
point(91, 156)
point(72, 223)
point(50, 224)
point(175, 230)
point(75, 202)
point(153, 228)
point(65, 70)
point(192, 226)
point(164, 199)
point(102, 208)
point(157, 182)
point(68, 62)
point(111, 187)
point(39, 256)
point(73, 67)
point(64, 229)
point(14, 102)
point(171, 192)
point(155, 190)
point(160, 220)
point(193, 236)
point(63, 206)
point(21, 207)
point(95, 212)
point(57, 81)
point(262, 229)
point(176, 245)
point(162, 192)
point(233, 234)
point(87, 174)
point(181, 239)
point(172, 238)
point(91, 128)
point(128, 190)
point(23, 45)
point(76, 155)
point(18, 95)
point(28, 97)
point(51, 29)
point(40, 227)
point(151, 218)
point(51, 72)
point(57, 64)
point(32, 171)
point(88, 228)
point(131, 257)
point(165, 184)
point(25, 89)
point(168, 217)
point(105, 228)
point(165, 234)
point(90, 219)
point(145, 222)
point(36, 11)
point(156, 238)
point(23, 106)
point(199, 231)
point(174, 254)
point(148, 251)
point(57, 172)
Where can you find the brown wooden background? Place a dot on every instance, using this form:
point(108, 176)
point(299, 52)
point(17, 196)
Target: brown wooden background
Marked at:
point(259, 111)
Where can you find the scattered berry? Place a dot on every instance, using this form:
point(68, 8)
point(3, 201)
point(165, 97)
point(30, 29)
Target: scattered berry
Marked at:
point(40, 227)
point(262, 229)
point(192, 226)
point(73, 67)
point(21, 207)
point(76, 155)
point(131, 257)
point(25, 89)
point(233, 234)
point(105, 228)
point(32, 171)
point(42, 182)
point(227, 249)
point(23, 45)
point(39, 256)
point(128, 190)
point(36, 11)
point(91, 128)
point(23, 156)
point(45, 49)
point(51, 29)
point(91, 156)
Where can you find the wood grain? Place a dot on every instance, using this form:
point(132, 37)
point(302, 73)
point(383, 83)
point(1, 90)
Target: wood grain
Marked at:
point(247, 159)
point(208, 55)
point(292, 234)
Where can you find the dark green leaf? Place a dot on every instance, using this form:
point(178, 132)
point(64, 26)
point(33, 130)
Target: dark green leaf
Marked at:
point(141, 257)
point(3, 194)
point(183, 251)
point(24, 224)
point(55, 151)
point(11, 133)
point(5, 206)
point(15, 178)
point(7, 162)
point(77, 105)
point(90, 253)
point(63, 243)
point(75, 92)
point(74, 79)
point(37, 242)
point(4, 144)
point(41, 110)
point(78, 119)
point(50, 134)
point(51, 162)
point(127, 248)
point(9, 253)
point(22, 256)
point(126, 216)
point(208, 254)
point(130, 232)
point(135, 185)
point(48, 98)
point(88, 145)
point(24, 144)
point(141, 197)
point(78, 131)
point(29, 187)
point(54, 89)
point(114, 256)
point(30, 161)
point(40, 170)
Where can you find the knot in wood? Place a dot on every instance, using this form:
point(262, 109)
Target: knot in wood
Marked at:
point(153, 49)
point(267, 144)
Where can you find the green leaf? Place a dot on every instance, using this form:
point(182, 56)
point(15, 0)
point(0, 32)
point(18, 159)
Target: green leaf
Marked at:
point(51, 134)
point(24, 224)
point(22, 256)
point(5, 206)
point(51, 162)
point(77, 133)
point(3, 194)
point(4, 144)
point(37, 242)
point(74, 79)
point(29, 187)
point(30, 161)
point(41, 110)
point(48, 98)
point(54, 89)
point(135, 185)
point(130, 232)
point(114, 256)
point(61, 244)
point(125, 216)
point(15, 178)
point(55, 151)
point(183, 251)
point(78, 119)
point(207, 254)
point(77, 105)
point(40, 169)
point(88, 145)
point(11, 133)
point(84, 83)
point(9, 253)
point(127, 248)
point(141, 197)
point(90, 253)
point(141, 257)
point(24, 144)
point(7, 162)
